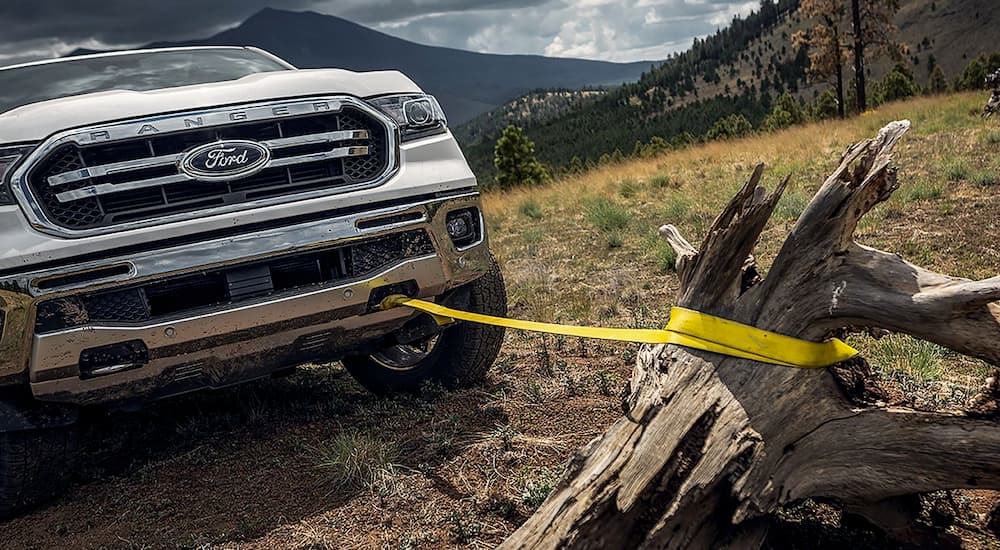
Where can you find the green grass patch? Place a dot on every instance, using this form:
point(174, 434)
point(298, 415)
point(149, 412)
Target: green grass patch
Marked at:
point(663, 255)
point(924, 190)
point(537, 489)
point(676, 209)
point(533, 235)
point(918, 252)
point(660, 181)
point(922, 360)
point(629, 187)
point(616, 239)
point(956, 170)
point(666, 258)
point(871, 221)
point(530, 209)
point(992, 137)
point(986, 178)
point(606, 215)
point(791, 205)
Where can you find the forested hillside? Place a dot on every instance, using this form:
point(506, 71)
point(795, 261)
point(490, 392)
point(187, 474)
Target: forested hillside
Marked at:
point(742, 70)
point(664, 102)
point(532, 109)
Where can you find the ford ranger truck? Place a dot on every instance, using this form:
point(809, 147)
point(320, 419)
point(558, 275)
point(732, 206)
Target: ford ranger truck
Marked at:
point(188, 218)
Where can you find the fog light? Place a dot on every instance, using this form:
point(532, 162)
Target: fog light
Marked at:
point(463, 226)
point(113, 358)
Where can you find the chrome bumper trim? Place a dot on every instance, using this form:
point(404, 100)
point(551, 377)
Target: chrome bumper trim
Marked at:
point(248, 247)
point(219, 337)
point(19, 293)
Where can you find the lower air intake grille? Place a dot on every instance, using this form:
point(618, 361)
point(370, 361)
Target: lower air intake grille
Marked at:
point(188, 293)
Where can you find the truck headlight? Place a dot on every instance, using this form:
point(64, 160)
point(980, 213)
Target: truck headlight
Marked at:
point(418, 115)
point(9, 158)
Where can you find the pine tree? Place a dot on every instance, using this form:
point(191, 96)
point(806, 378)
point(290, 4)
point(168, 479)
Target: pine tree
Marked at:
point(826, 43)
point(730, 127)
point(938, 83)
point(515, 161)
point(898, 84)
point(825, 106)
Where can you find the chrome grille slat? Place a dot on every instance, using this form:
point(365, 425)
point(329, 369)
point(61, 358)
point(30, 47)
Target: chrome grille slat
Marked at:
point(109, 188)
point(167, 160)
point(129, 174)
point(316, 139)
point(113, 168)
point(338, 153)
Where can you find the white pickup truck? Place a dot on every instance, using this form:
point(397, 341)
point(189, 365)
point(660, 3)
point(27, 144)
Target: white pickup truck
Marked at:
point(189, 218)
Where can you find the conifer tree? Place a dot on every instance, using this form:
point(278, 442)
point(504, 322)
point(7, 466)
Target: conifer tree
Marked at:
point(826, 42)
point(515, 161)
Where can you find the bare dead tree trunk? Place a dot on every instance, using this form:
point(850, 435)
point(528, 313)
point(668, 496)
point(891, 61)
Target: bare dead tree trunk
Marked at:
point(859, 57)
point(709, 444)
point(838, 63)
point(993, 103)
point(839, 69)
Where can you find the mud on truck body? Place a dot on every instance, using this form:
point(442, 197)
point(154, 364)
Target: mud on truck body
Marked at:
point(180, 219)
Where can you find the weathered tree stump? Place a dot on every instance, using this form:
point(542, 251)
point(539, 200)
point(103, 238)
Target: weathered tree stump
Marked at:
point(709, 445)
point(993, 103)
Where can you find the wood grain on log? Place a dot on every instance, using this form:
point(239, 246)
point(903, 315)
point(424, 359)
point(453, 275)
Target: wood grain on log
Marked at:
point(709, 444)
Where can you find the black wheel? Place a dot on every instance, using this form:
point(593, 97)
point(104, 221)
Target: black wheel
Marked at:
point(458, 356)
point(34, 466)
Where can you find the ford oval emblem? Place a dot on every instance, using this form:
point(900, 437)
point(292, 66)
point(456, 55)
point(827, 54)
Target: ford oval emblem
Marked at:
point(225, 160)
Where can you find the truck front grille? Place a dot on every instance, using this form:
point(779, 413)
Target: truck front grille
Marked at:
point(188, 293)
point(82, 186)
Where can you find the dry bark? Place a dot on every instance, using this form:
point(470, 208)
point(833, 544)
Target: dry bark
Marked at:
point(709, 445)
point(993, 103)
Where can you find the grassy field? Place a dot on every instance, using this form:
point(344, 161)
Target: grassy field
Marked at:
point(313, 461)
point(585, 250)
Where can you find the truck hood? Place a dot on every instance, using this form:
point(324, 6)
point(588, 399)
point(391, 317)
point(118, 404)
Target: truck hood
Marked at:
point(37, 121)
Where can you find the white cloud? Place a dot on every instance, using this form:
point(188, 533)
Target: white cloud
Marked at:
point(723, 17)
point(613, 30)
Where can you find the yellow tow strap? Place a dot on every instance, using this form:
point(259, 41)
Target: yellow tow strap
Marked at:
point(686, 328)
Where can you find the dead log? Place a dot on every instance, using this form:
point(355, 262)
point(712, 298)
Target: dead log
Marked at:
point(993, 103)
point(710, 445)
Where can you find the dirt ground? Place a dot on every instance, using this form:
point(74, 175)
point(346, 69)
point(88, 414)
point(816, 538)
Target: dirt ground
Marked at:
point(242, 468)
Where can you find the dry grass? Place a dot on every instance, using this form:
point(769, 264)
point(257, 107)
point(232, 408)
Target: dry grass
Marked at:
point(356, 460)
point(599, 242)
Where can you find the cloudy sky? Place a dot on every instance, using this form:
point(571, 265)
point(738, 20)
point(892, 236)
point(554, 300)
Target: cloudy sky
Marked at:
point(613, 30)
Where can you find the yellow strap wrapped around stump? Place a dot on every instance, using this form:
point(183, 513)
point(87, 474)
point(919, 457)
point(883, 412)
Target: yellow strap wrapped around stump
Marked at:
point(686, 328)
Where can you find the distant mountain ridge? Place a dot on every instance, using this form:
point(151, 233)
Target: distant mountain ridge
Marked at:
point(467, 83)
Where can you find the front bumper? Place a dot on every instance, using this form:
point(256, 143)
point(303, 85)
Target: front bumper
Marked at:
point(218, 346)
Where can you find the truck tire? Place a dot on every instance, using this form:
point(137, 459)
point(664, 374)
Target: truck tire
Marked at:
point(458, 356)
point(34, 466)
